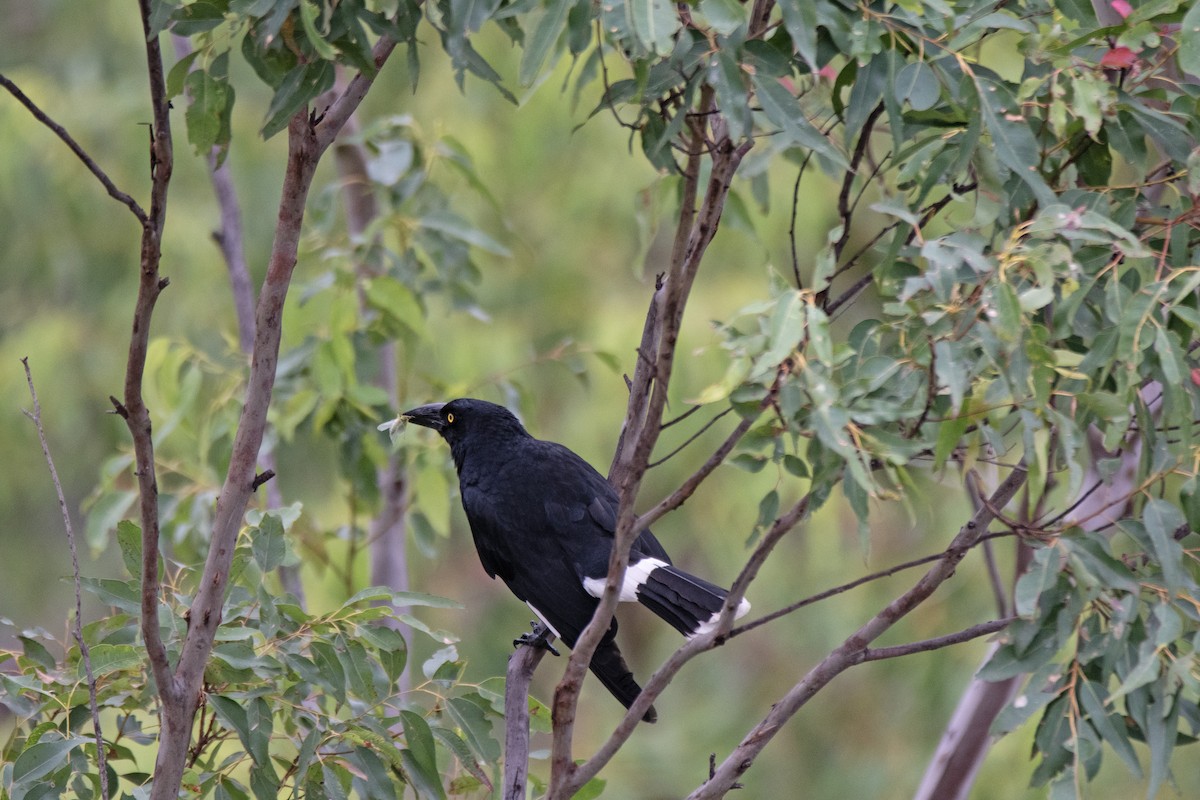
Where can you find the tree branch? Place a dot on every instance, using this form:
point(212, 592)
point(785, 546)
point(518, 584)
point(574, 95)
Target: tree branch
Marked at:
point(692, 648)
point(845, 655)
point(61, 132)
point(307, 141)
point(85, 654)
point(689, 486)
point(521, 666)
point(936, 643)
point(135, 413)
point(845, 587)
point(645, 425)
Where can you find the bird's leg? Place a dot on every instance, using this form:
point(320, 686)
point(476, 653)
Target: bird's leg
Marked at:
point(538, 637)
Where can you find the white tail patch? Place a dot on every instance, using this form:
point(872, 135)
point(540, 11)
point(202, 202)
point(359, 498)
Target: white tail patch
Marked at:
point(635, 576)
point(711, 623)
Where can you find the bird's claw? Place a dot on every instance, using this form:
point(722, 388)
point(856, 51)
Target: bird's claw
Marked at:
point(539, 637)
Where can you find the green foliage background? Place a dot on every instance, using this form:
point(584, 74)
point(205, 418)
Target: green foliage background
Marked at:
point(577, 209)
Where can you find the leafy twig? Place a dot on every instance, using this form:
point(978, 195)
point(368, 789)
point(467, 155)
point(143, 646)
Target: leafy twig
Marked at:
point(84, 651)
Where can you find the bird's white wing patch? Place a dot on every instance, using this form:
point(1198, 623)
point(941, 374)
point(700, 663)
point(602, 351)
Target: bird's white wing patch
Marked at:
point(636, 575)
point(708, 625)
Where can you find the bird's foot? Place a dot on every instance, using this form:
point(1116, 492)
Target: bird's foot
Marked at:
point(539, 637)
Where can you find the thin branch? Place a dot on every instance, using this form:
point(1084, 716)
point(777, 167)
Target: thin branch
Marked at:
point(85, 653)
point(343, 107)
point(854, 584)
point(845, 655)
point(795, 215)
point(689, 440)
point(936, 643)
point(75, 148)
point(135, 413)
point(689, 486)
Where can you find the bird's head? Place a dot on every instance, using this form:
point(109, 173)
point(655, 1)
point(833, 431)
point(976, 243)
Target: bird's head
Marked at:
point(466, 419)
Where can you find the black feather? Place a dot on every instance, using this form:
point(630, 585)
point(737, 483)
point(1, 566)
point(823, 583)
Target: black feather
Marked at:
point(543, 522)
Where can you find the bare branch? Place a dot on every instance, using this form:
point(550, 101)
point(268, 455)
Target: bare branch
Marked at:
point(936, 643)
point(136, 415)
point(521, 665)
point(84, 651)
point(75, 147)
point(689, 486)
point(689, 440)
point(346, 103)
point(845, 655)
point(845, 587)
point(643, 424)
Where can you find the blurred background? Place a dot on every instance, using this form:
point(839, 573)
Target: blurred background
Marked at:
point(577, 209)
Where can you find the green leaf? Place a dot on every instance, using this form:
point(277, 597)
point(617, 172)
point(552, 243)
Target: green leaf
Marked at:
point(470, 714)
point(783, 109)
point(724, 16)
point(918, 84)
point(208, 113)
point(545, 29)
point(653, 22)
point(1040, 576)
point(463, 753)
point(125, 595)
point(590, 790)
point(398, 304)
point(456, 227)
point(129, 539)
point(36, 652)
point(1012, 138)
point(420, 757)
point(309, 10)
point(178, 73)
point(1189, 41)
point(301, 84)
point(108, 658)
point(1162, 519)
point(800, 20)
point(733, 97)
point(40, 759)
point(268, 543)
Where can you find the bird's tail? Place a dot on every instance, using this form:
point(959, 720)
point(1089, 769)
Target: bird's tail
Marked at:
point(689, 604)
point(609, 666)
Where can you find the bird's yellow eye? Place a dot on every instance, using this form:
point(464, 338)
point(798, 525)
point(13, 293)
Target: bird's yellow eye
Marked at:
point(449, 418)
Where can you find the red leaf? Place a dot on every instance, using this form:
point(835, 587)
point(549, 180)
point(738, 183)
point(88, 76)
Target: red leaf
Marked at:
point(1122, 7)
point(1119, 57)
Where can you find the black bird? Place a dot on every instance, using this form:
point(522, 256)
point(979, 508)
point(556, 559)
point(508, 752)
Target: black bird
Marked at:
point(543, 521)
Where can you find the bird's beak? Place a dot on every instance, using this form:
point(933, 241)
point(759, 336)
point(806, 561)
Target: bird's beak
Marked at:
point(427, 416)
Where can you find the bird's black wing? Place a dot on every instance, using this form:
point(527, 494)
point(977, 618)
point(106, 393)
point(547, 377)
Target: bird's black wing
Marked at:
point(588, 496)
point(534, 550)
point(487, 529)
